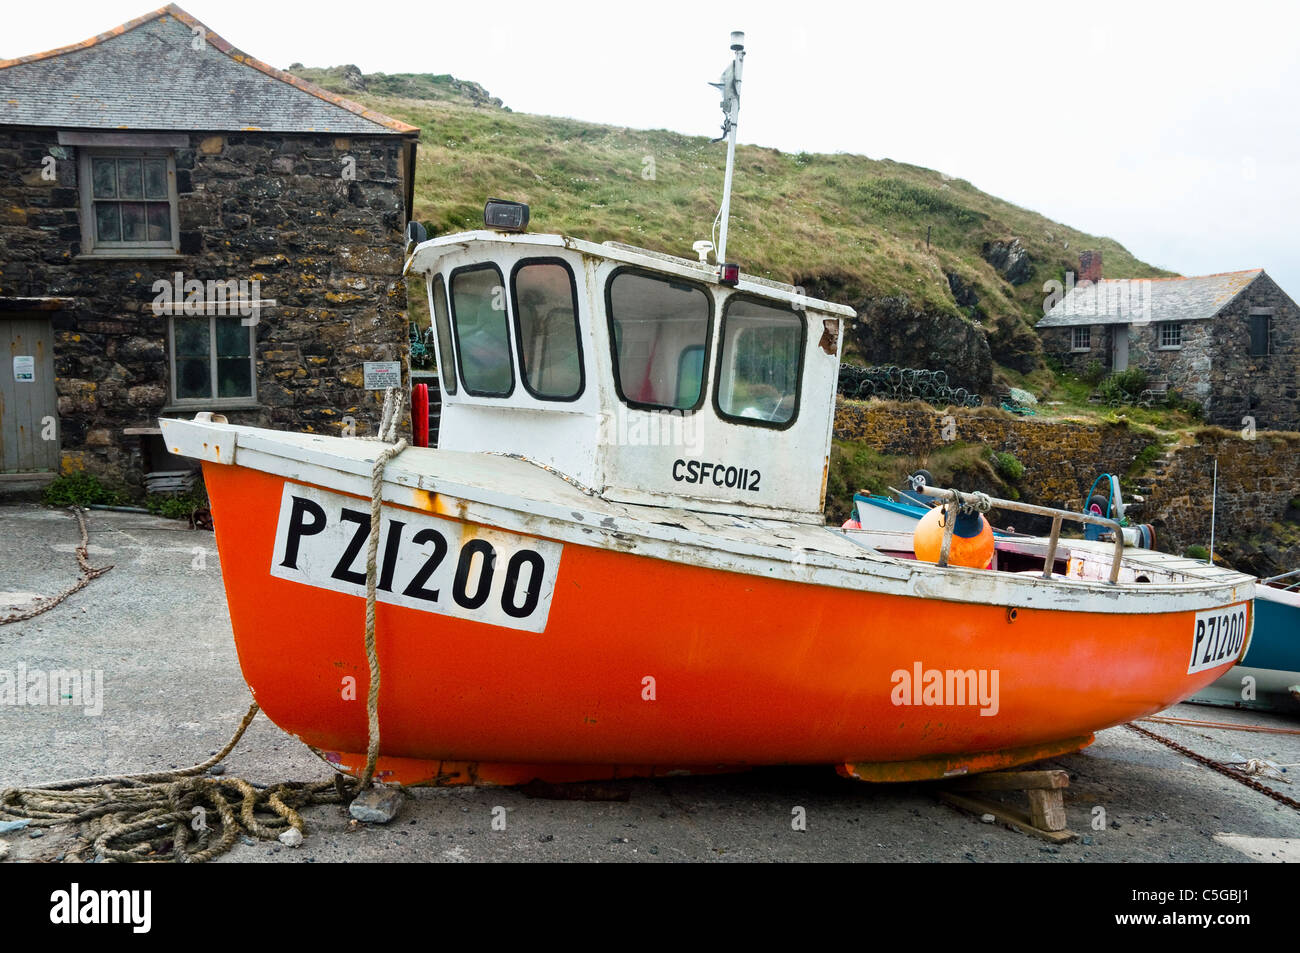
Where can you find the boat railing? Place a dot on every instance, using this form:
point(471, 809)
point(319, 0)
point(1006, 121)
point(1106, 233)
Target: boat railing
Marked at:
point(983, 502)
point(1286, 575)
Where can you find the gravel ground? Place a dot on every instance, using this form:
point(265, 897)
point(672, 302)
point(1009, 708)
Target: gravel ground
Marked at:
point(157, 627)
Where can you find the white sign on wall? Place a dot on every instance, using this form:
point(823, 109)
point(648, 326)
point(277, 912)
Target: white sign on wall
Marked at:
point(24, 368)
point(381, 375)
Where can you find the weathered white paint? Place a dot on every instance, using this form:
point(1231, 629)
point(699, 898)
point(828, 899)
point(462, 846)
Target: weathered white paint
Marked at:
point(518, 496)
point(621, 451)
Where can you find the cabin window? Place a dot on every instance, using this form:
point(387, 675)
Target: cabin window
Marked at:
point(1171, 335)
point(659, 330)
point(128, 202)
point(212, 359)
point(441, 320)
point(1081, 339)
point(545, 299)
point(759, 363)
point(478, 310)
point(1260, 325)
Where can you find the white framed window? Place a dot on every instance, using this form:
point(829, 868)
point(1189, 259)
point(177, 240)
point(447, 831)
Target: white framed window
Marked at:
point(1081, 339)
point(128, 202)
point(1171, 335)
point(213, 360)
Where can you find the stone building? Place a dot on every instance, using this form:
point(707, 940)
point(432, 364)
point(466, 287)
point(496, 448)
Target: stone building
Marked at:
point(185, 228)
point(1230, 341)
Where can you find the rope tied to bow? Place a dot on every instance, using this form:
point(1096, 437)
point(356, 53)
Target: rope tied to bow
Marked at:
point(394, 401)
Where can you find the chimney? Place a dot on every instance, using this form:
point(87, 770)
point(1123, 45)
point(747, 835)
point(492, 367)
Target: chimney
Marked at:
point(1090, 266)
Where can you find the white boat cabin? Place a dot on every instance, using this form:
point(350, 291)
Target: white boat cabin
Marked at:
point(639, 375)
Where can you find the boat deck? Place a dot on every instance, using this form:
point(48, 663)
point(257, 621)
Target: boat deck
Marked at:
point(527, 497)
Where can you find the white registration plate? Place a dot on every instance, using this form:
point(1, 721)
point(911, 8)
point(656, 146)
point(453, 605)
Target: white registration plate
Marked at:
point(1217, 637)
point(429, 563)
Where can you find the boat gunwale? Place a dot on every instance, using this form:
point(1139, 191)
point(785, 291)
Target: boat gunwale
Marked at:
point(570, 517)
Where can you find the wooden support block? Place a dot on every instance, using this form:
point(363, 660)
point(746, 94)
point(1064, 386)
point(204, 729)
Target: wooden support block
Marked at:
point(1007, 815)
point(1014, 781)
point(1047, 810)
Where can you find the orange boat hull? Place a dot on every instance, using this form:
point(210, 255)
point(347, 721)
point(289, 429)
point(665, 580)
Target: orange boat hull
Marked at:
point(648, 666)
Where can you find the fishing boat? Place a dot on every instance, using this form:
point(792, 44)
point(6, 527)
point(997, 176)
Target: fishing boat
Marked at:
point(615, 562)
point(1268, 677)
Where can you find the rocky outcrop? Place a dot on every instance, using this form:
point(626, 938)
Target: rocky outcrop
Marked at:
point(891, 330)
point(963, 292)
point(1010, 259)
point(352, 77)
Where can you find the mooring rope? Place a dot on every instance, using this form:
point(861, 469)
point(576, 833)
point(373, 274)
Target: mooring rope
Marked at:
point(393, 401)
point(87, 574)
point(164, 815)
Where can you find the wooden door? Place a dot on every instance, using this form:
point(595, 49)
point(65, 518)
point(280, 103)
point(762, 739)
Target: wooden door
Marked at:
point(29, 436)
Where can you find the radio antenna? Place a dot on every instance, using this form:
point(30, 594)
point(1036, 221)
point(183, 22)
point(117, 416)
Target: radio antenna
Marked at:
point(730, 87)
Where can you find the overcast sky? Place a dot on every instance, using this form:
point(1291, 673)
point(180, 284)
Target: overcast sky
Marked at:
point(1171, 127)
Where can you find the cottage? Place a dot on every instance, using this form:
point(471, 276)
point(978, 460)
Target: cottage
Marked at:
point(184, 228)
point(1230, 341)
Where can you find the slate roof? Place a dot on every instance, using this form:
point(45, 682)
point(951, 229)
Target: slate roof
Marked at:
point(146, 75)
point(1153, 299)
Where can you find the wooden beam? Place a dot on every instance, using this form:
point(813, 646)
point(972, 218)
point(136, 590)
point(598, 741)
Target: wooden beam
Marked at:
point(1007, 815)
point(1014, 781)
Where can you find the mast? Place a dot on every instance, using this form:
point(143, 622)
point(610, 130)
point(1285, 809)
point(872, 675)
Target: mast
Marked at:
point(730, 86)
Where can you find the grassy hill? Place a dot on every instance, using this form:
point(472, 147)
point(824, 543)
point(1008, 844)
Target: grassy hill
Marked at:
point(840, 224)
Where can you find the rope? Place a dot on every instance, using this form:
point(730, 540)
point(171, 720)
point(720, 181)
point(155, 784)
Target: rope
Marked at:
point(154, 816)
point(1226, 726)
point(87, 574)
point(1216, 766)
point(393, 401)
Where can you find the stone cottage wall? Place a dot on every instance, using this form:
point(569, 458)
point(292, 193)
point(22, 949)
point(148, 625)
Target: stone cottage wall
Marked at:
point(253, 206)
point(1187, 368)
point(1262, 388)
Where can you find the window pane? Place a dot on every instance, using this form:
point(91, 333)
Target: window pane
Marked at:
point(108, 222)
point(1259, 328)
point(234, 377)
point(548, 330)
point(129, 184)
point(482, 338)
point(446, 363)
point(104, 178)
point(133, 222)
point(190, 338)
point(232, 338)
point(761, 353)
point(690, 374)
point(656, 323)
point(160, 222)
point(155, 178)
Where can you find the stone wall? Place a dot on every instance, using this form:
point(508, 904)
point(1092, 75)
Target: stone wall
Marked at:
point(253, 207)
point(1264, 388)
point(1061, 459)
point(1257, 523)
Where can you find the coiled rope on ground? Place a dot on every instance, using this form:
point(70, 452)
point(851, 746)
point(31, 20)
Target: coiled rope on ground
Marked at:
point(185, 815)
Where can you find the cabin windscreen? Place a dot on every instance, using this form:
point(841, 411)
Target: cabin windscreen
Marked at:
point(546, 326)
point(478, 310)
point(759, 363)
point(446, 363)
point(660, 331)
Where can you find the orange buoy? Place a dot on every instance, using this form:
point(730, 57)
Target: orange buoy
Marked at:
point(972, 539)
